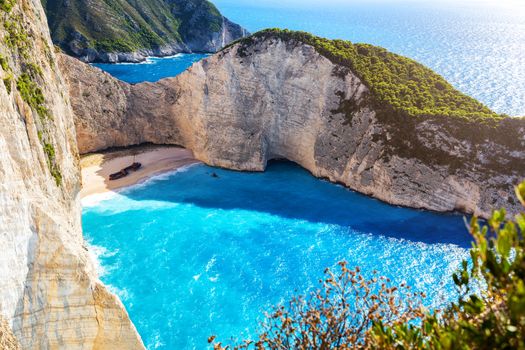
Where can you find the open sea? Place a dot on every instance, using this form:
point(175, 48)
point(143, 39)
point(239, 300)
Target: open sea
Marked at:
point(193, 255)
point(478, 46)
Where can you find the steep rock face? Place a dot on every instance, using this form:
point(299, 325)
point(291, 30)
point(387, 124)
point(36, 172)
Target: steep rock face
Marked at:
point(130, 31)
point(215, 41)
point(281, 99)
point(50, 295)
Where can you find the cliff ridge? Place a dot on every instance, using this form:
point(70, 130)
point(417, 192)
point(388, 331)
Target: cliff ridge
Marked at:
point(276, 95)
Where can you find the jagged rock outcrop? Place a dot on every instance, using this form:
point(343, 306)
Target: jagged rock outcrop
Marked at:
point(130, 31)
point(50, 295)
point(275, 98)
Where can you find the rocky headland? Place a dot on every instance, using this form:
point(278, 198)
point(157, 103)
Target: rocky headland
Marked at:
point(286, 95)
point(130, 31)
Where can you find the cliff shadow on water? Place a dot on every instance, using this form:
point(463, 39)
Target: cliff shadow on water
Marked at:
point(288, 191)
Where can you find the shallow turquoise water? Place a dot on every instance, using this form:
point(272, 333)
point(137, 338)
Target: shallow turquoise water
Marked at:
point(192, 255)
point(153, 69)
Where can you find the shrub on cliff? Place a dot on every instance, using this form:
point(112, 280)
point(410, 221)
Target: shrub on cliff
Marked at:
point(6, 5)
point(350, 312)
point(338, 315)
point(491, 319)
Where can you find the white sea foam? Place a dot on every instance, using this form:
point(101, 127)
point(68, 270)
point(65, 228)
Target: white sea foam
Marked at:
point(96, 254)
point(150, 60)
point(156, 58)
point(157, 177)
point(147, 61)
point(214, 278)
point(123, 293)
point(157, 342)
point(95, 199)
point(210, 263)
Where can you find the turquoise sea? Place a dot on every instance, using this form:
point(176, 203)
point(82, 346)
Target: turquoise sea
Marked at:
point(193, 255)
point(153, 69)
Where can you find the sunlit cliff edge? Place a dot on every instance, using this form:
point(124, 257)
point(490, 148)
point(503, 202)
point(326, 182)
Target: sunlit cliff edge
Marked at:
point(276, 96)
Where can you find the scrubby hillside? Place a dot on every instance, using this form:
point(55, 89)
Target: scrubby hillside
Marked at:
point(126, 30)
point(396, 82)
point(404, 94)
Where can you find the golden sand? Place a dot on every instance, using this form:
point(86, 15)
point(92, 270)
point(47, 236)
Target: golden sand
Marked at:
point(155, 160)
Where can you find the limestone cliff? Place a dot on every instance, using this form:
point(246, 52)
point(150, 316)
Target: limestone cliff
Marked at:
point(275, 98)
point(50, 295)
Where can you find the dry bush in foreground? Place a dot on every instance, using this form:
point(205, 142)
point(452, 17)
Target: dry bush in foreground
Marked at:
point(338, 315)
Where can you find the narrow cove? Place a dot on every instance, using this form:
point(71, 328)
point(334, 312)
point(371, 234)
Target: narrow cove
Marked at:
point(193, 255)
point(153, 69)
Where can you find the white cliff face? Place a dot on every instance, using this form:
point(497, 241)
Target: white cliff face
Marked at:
point(283, 101)
point(245, 106)
point(50, 294)
point(278, 104)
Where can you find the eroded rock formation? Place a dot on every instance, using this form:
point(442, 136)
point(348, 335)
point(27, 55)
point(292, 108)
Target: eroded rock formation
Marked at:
point(274, 99)
point(50, 294)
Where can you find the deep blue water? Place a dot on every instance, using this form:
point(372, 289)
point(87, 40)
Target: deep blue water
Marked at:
point(479, 46)
point(153, 69)
point(192, 255)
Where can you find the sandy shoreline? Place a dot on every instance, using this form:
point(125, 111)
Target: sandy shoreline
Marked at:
point(155, 160)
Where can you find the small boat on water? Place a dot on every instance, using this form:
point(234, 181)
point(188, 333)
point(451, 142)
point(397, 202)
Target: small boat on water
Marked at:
point(125, 172)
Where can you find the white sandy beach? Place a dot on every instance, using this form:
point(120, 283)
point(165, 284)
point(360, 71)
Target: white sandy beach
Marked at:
point(155, 160)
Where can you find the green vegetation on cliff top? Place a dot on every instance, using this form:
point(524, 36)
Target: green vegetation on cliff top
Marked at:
point(397, 83)
point(129, 25)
